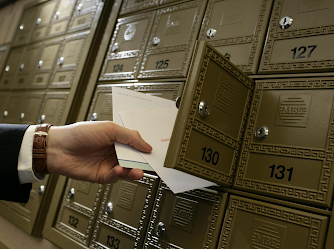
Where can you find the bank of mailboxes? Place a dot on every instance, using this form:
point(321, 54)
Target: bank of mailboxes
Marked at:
point(299, 38)
point(125, 213)
point(256, 224)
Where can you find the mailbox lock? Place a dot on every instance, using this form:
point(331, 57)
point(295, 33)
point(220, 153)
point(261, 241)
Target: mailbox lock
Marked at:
point(210, 33)
point(56, 15)
point(204, 109)
point(5, 114)
point(21, 27)
point(156, 41)
point(114, 47)
point(285, 22)
point(93, 117)
point(21, 116)
point(178, 101)
point(109, 208)
point(71, 193)
point(22, 66)
point(7, 68)
point(40, 64)
point(261, 132)
point(60, 61)
point(160, 229)
point(41, 119)
point(41, 189)
point(38, 21)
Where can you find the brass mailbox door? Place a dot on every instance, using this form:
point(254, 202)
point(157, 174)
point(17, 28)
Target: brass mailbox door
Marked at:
point(27, 66)
point(30, 109)
point(210, 124)
point(5, 21)
point(52, 107)
point(237, 30)
point(255, 224)
point(12, 108)
point(172, 39)
point(127, 47)
point(45, 63)
point(101, 108)
point(167, 90)
point(78, 211)
point(187, 220)
point(10, 69)
point(124, 213)
point(42, 21)
point(25, 25)
point(68, 60)
point(287, 147)
point(129, 6)
point(61, 17)
point(83, 15)
point(299, 38)
point(4, 96)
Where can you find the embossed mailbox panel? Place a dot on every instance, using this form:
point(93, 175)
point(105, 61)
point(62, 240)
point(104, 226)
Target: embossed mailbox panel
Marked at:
point(188, 220)
point(124, 213)
point(129, 6)
point(287, 152)
point(172, 39)
point(127, 47)
point(300, 37)
point(254, 224)
point(237, 32)
point(10, 68)
point(167, 90)
point(101, 108)
point(11, 108)
point(30, 106)
point(210, 124)
point(78, 212)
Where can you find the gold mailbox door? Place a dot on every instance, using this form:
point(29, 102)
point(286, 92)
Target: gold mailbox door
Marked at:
point(187, 220)
point(237, 29)
point(27, 66)
point(167, 90)
point(124, 213)
point(4, 96)
point(42, 21)
point(172, 39)
point(12, 108)
point(78, 211)
point(129, 6)
point(45, 63)
point(287, 148)
point(52, 107)
point(127, 47)
point(299, 38)
point(25, 25)
point(68, 60)
point(255, 224)
point(31, 106)
point(210, 124)
point(6, 14)
point(101, 108)
point(10, 69)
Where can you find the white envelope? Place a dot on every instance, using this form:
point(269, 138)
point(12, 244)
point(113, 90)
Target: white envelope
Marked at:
point(125, 100)
point(155, 125)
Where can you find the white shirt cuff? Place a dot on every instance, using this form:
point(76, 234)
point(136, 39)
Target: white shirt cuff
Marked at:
point(24, 166)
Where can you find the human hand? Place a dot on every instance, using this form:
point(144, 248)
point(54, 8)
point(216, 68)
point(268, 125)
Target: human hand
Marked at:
point(85, 151)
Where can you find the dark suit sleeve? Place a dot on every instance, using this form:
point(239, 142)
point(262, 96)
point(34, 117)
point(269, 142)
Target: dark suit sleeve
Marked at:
point(10, 143)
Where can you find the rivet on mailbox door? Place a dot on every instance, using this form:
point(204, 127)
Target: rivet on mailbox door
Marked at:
point(40, 64)
point(38, 21)
point(21, 116)
point(60, 61)
point(261, 132)
point(41, 119)
point(5, 114)
point(79, 7)
point(156, 41)
point(56, 15)
point(285, 22)
point(109, 208)
point(160, 229)
point(210, 33)
point(21, 27)
point(71, 193)
point(41, 189)
point(7, 68)
point(22, 66)
point(204, 109)
point(114, 47)
point(93, 117)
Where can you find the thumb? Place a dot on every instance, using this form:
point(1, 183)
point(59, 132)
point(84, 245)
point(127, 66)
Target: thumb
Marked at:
point(131, 137)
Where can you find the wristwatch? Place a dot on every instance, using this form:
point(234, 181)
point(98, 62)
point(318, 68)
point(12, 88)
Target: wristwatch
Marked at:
point(39, 149)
